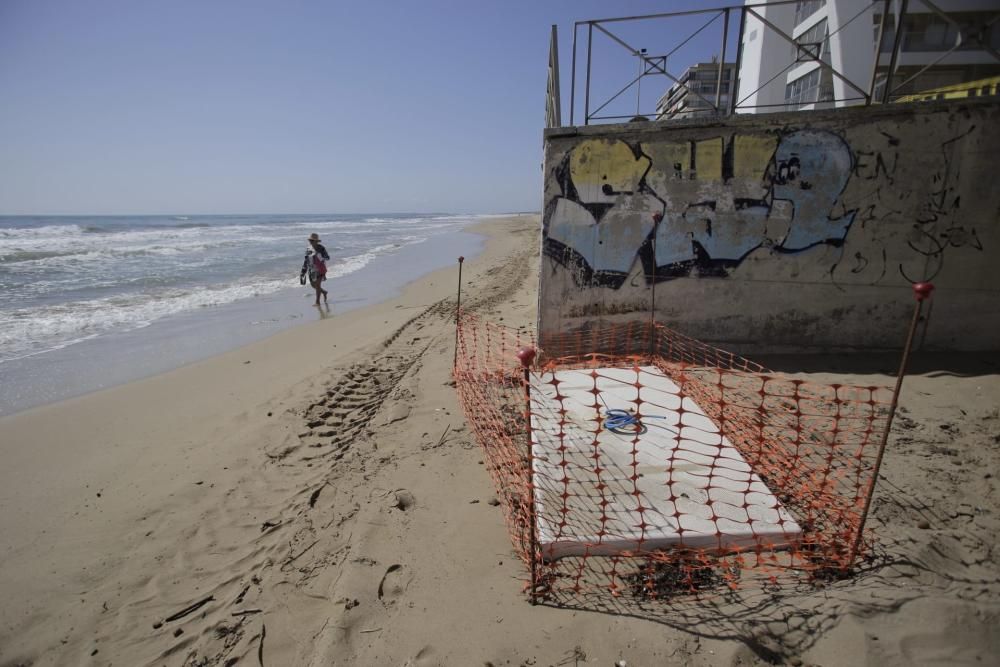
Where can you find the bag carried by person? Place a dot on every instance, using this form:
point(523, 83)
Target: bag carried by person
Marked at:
point(319, 266)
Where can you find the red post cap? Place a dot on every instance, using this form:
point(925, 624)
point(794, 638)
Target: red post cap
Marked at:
point(461, 259)
point(922, 290)
point(526, 355)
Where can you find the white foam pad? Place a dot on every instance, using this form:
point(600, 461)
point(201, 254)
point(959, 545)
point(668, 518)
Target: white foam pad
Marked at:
point(695, 488)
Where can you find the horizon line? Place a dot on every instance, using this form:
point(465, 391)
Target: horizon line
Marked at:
point(158, 215)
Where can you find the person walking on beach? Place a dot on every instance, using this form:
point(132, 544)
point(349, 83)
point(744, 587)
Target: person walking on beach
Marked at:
point(314, 266)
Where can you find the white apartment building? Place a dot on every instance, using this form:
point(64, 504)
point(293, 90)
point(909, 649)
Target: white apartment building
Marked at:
point(776, 76)
point(694, 93)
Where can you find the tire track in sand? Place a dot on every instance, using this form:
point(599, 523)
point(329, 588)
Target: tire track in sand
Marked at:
point(351, 402)
point(273, 548)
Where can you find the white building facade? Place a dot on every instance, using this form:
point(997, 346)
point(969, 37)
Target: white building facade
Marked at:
point(777, 75)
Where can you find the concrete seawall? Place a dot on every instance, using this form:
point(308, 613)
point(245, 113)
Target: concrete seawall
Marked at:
point(779, 232)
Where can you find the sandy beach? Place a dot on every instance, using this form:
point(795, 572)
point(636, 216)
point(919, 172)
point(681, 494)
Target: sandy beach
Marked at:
point(316, 498)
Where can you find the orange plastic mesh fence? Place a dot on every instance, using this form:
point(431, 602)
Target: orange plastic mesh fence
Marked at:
point(633, 459)
point(490, 384)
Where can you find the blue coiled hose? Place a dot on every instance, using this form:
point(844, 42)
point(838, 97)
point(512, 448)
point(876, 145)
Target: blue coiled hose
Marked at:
point(623, 422)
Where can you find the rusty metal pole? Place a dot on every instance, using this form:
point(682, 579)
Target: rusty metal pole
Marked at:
point(897, 41)
point(458, 310)
point(922, 292)
point(878, 51)
point(526, 355)
point(722, 65)
point(572, 82)
point(586, 94)
point(734, 84)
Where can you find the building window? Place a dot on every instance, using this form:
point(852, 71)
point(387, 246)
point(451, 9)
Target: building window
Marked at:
point(806, 8)
point(816, 86)
point(930, 32)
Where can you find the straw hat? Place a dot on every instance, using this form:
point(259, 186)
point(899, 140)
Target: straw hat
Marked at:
point(314, 237)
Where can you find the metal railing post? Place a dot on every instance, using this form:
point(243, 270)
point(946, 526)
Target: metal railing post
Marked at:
point(878, 51)
point(554, 93)
point(586, 95)
point(896, 43)
point(734, 84)
point(722, 62)
point(572, 83)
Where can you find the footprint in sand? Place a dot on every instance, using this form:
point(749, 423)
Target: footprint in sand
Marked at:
point(394, 583)
point(403, 500)
point(397, 412)
point(423, 658)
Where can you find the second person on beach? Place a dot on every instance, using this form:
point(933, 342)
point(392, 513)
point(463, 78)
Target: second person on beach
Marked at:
point(314, 266)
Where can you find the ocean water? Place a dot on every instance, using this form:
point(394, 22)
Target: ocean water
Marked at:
point(68, 279)
point(90, 302)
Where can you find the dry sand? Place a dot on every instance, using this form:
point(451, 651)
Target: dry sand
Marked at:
point(320, 494)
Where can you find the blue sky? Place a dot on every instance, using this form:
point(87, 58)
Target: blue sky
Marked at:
point(132, 107)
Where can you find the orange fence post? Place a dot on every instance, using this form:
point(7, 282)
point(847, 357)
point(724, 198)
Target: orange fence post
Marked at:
point(526, 355)
point(458, 310)
point(921, 291)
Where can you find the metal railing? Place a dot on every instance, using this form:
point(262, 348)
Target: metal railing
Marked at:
point(728, 96)
point(553, 104)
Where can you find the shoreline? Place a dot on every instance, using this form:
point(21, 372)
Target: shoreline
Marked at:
point(114, 359)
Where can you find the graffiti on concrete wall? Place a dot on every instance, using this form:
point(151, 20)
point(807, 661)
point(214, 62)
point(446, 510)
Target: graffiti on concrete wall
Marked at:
point(779, 231)
point(929, 205)
point(695, 207)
